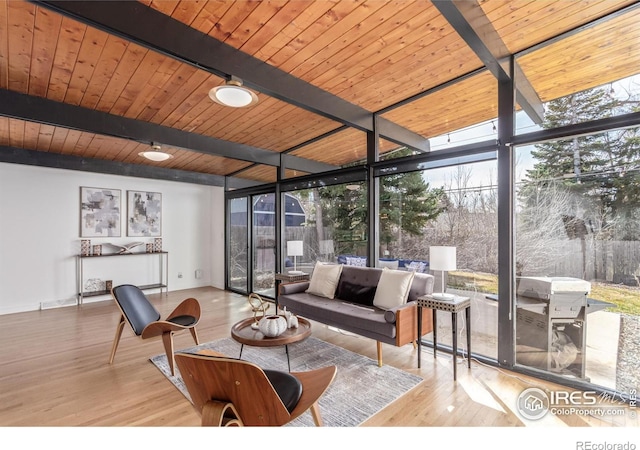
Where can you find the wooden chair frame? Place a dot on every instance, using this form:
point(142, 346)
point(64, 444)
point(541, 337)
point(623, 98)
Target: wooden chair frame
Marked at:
point(227, 391)
point(164, 328)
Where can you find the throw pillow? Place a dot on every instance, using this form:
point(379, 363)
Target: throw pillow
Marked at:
point(324, 280)
point(393, 288)
point(355, 293)
point(417, 266)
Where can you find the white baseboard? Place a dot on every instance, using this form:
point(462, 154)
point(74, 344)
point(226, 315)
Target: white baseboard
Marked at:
point(58, 303)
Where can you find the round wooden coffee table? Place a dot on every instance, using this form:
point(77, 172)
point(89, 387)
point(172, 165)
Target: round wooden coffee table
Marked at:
point(245, 335)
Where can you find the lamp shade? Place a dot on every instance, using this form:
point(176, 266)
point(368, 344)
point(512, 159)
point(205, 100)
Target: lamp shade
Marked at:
point(294, 248)
point(442, 258)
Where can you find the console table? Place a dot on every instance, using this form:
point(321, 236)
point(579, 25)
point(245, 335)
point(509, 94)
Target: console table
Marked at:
point(163, 273)
point(455, 305)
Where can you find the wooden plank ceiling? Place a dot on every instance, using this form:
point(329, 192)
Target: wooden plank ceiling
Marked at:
point(363, 55)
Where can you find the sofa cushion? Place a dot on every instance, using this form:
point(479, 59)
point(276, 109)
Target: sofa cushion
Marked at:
point(364, 320)
point(416, 266)
point(362, 276)
point(393, 288)
point(356, 293)
point(324, 280)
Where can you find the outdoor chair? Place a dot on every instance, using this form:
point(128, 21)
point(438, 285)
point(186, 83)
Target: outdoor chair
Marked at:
point(233, 392)
point(145, 321)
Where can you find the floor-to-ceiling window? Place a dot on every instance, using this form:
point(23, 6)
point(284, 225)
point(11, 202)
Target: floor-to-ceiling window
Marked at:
point(251, 244)
point(576, 194)
point(453, 206)
point(263, 240)
point(238, 243)
point(577, 257)
point(334, 225)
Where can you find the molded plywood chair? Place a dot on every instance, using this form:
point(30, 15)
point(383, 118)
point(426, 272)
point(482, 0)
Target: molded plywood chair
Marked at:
point(145, 321)
point(227, 391)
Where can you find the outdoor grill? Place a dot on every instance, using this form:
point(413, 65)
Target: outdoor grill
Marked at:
point(551, 323)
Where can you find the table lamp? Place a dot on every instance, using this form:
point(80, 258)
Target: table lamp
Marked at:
point(442, 259)
point(294, 248)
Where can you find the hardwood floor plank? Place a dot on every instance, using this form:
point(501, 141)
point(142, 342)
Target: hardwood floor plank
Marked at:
point(55, 372)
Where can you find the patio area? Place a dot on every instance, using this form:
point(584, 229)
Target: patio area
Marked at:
point(606, 354)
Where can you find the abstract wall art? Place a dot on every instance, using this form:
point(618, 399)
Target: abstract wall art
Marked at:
point(99, 212)
point(144, 213)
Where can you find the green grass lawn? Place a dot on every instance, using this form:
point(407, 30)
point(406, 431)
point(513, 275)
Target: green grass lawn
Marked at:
point(626, 298)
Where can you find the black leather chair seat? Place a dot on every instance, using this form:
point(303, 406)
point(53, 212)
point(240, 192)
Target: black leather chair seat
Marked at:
point(288, 387)
point(185, 321)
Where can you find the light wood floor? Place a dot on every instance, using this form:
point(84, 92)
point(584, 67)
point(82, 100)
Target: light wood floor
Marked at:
point(54, 372)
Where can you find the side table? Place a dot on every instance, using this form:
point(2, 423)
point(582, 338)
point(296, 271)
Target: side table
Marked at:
point(455, 305)
point(288, 278)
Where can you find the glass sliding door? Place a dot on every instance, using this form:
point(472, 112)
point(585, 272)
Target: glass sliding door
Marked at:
point(263, 238)
point(238, 244)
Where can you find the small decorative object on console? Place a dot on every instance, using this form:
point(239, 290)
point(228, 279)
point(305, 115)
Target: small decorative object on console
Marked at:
point(157, 245)
point(126, 248)
point(85, 247)
point(272, 326)
point(94, 285)
point(97, 250)
point(149, 247)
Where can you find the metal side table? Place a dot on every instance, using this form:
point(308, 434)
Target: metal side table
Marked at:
point(453, 306)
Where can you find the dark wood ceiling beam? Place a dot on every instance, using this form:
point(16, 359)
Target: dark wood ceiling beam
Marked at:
point(150, 28)
point(42, 110)
point(470, 22)
point(69, 162)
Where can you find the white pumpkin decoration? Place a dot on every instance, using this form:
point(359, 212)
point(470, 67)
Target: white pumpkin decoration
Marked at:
point(272, 326)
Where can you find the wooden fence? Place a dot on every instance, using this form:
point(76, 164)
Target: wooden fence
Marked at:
point(611, 261)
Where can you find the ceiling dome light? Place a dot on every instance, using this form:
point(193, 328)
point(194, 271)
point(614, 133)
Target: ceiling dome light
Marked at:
point(156, 154)
point(233, 94)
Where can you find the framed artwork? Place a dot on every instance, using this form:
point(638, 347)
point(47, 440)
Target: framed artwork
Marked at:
point(99, 212)
point(144, 213)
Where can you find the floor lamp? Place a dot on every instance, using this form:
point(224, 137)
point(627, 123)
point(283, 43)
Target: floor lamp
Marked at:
point(294, 248)
point(442, 259)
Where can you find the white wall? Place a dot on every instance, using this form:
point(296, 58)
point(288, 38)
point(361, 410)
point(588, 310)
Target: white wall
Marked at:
point(39, 235)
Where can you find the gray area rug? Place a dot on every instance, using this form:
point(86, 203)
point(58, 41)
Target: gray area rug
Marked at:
point(359, 391)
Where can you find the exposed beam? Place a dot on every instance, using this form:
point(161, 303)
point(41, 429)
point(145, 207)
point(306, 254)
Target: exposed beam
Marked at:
point(629, 120)
point(150, 28)
point(304, 165)
point(469, 20)
point(42, 110)
point(57, 161)
point(241, 183)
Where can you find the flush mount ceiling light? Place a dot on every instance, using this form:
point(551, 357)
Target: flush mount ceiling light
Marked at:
point(233, 94)
point(156, 154)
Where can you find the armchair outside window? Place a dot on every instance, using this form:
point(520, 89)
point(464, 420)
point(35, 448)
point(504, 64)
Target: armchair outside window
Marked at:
point(145, 321)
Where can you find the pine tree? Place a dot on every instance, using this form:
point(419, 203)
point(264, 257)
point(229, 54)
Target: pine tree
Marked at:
point(407, 203)
point(601, 170)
